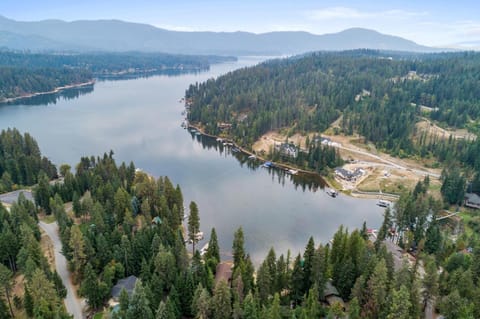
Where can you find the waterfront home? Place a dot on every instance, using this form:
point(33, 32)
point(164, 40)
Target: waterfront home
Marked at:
point(348, 175)
point(288, 149)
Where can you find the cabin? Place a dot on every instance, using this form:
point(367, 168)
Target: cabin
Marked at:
point(126, 283)
point(331, 295)
point(472, 200)
point(224, 271)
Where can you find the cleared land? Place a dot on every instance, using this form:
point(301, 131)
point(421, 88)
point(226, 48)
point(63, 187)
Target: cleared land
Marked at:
point(382, 172)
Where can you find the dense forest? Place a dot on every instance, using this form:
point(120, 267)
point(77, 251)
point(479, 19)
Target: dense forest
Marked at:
point(378, 95)
point(17, 82)
point(23, 73)
point(21, 161)
point(123, 222)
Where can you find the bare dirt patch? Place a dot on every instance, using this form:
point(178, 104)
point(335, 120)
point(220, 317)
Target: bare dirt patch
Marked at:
point(434, 130)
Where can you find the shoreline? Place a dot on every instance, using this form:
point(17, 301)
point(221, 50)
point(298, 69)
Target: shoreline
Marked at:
point(278, 165)
point(56, 90)
point(328, 184)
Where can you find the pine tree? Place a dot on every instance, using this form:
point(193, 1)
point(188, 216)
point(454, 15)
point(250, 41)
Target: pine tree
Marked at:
point(6, 284)
point(91, 289)
point(164, 312)
point(221, 301)
point(308, 257)
point(430, 283)
point(212, 256)
point(139, 305)
point(193, 225)
point(274, 310)
point(238, 249)
point(400, 305)
point(250, 309)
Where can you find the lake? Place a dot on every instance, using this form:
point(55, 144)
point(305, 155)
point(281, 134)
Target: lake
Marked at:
point(139, 119)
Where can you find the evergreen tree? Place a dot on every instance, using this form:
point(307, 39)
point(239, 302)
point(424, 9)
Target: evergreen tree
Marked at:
point(163, 312)
point(139, 305)
point(308, 257)
point(250, 310)
point(400, 305)
point(274, 311)
point(212, 256)
point(193, 225)
point(221, 301)
point(238, 249)
point(430, 284)
point(6, 282)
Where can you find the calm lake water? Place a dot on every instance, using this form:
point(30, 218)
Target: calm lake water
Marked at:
point(139, 119)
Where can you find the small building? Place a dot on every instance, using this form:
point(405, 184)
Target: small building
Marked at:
point(156, 221)
point(472, 200)
point(126, 283)
point(331, 295)
point(224, 272)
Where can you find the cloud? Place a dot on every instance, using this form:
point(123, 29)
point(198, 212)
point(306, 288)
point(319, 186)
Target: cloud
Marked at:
point(332, 13)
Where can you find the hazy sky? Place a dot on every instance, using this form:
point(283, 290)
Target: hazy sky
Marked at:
point(425, 21)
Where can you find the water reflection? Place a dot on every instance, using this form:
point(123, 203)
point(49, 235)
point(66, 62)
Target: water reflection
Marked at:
point(148, 74)
point(76, 92)
point(303, 181)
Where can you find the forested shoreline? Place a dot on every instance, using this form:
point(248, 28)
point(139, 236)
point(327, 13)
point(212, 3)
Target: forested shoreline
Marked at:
point(24, 74)
point(379, 95)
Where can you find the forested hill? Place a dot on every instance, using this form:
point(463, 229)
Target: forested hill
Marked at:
point(380, 95)
point(23, 73)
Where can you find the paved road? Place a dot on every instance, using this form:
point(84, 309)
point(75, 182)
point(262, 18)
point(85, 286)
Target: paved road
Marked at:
point(72, 303)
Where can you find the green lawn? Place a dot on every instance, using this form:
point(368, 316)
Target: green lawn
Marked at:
point(98, 315)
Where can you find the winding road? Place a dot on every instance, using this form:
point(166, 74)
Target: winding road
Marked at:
point(72, 302)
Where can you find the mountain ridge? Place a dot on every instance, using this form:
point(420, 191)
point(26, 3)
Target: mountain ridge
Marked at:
point(118, 35)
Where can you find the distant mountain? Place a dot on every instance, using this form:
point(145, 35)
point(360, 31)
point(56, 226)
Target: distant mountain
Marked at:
point(115, 35)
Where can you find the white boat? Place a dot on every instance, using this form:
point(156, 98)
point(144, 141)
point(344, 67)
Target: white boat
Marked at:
point(252, 157)
point(292, 171)
point(331, 192)
point(384, 203)
point(219, 140)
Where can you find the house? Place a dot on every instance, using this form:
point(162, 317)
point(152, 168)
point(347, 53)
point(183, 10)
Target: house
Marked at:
point(288, 149)
point(224, 272)
point(472, 200)
point(126, 283)
point(349, 175)
point(331, 295)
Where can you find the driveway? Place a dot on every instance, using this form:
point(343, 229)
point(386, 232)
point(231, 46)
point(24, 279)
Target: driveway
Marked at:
point(72, 302)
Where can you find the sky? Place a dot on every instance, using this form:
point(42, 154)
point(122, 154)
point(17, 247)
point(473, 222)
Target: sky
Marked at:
point(426, 22)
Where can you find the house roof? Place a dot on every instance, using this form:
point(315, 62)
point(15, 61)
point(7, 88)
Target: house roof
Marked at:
point(473, 198)
point(126, 283)
point(223, 272)
point(330, 290)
